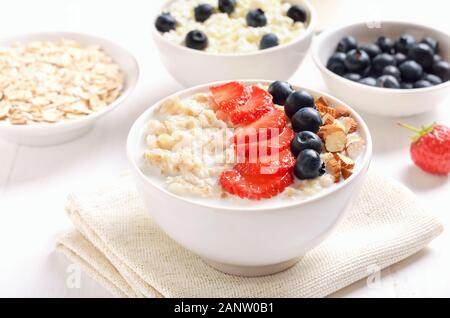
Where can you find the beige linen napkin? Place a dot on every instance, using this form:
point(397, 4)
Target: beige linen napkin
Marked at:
point(118, 244)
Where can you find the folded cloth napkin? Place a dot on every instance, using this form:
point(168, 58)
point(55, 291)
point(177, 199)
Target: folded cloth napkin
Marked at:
point(118, 244)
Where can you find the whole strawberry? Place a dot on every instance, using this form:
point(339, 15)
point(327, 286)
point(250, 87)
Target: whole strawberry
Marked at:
point(430, 149)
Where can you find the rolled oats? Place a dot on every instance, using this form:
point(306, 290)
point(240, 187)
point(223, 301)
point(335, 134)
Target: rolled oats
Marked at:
point(48, 82)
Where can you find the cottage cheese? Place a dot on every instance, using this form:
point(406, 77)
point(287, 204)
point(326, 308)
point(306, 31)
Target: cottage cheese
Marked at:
point(230, 33)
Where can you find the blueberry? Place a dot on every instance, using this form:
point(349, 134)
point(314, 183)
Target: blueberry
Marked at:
point(355, 77)
point(422, 84)
point(404, 43)
point(202, 12)
point(442, 69)
point(297, 13)
point(388, 81)
point(308, 165)
point(371, 49)
point(196, 40)
point(256, 18)
point(406, 85)
point(297, 101)
point(422, 54)
point(268, 40)
point(227, 6)
point(305, 140)
point(432, 43)
point(400, 58)
point(280, 91)
point(411, 71)
point(336, 63)
point(386, 44)
point(357, 60)
point(370, 81)
point(393, 71)
point(347, 44)
point(306, 119)
point(437, 58)
point(381, 61)
point(165, 22)
point(433, 79)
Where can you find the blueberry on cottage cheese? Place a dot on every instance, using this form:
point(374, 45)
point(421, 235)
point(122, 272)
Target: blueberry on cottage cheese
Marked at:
point(297, 101)
point(227, 6)
point(196, 40)
point(280, 91)
point(256, 18)
point(297, 13)
point(165, 22)
point(202, 12)
point(268, 40)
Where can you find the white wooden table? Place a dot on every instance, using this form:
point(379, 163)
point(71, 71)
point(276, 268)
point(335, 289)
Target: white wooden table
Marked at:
point(35, 181)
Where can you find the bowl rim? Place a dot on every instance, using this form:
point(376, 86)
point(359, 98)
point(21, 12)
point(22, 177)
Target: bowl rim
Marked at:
point(308, 31)
point(136, 129)
point(323, 37)
point(89, 37)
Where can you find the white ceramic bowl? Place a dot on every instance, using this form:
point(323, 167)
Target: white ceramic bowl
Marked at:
point(191, 67)
point(245, 241)
point(46, 134)
point(375, 100)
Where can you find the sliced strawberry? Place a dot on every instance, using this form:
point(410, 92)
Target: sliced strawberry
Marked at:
point(263, 128)
point(259, 103)
point(275, 163)
point(229, 96)
point(254, 187)
point(275, 144)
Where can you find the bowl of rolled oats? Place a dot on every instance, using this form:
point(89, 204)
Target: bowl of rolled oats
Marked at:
point(54, 86)
point(202, 41)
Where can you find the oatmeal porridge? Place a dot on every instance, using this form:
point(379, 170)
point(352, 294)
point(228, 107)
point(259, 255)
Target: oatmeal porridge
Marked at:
point(231, 26)
point(245, 143)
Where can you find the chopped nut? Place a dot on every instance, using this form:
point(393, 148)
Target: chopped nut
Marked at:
point(341, 111)
point(334, 168)
point(345, 161)
point(354, 147)
point(346, 173)
point(328, 119)
point(350, 125)
point(334, 137)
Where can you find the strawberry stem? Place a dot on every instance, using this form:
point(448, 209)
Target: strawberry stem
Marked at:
point(419, 132)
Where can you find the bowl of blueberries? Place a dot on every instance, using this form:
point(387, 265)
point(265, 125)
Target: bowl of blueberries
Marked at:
point(396, 69)
point(213, 40)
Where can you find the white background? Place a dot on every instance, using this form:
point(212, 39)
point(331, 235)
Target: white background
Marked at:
point(35, 181)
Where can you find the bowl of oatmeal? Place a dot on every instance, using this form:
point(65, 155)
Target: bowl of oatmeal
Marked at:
point(251, 174)
point(55, 86)
point(201, 41)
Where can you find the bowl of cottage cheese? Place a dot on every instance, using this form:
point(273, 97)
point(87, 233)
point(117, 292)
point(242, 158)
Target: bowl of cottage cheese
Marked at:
point(249, 175)
point(201, 41)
